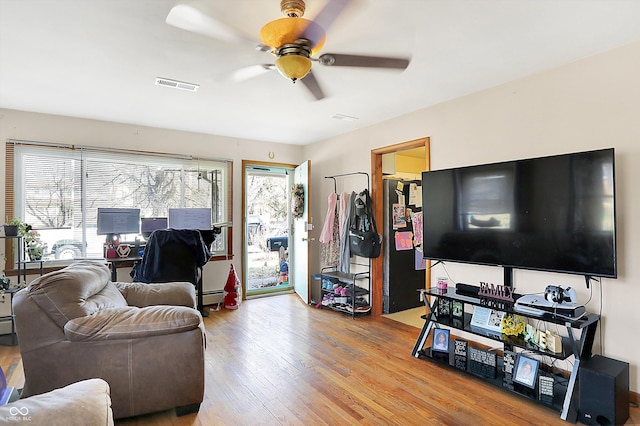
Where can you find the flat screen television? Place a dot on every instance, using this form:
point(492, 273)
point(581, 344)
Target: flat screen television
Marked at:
point(118, 221)
point(554, 214)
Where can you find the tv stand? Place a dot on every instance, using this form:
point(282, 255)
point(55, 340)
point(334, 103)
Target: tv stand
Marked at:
point(577, 344)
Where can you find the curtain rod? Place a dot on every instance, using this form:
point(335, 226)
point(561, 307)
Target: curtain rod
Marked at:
point(113, 150)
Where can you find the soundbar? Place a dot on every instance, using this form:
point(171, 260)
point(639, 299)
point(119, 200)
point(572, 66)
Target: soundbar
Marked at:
point(467, 289)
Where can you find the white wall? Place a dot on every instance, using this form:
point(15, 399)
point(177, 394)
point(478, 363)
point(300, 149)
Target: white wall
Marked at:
point(66, 130)
point(589, 104)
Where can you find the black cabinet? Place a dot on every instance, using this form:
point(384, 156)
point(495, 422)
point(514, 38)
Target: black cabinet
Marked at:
point(551, 389)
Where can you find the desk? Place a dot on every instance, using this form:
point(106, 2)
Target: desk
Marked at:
point(115, 261)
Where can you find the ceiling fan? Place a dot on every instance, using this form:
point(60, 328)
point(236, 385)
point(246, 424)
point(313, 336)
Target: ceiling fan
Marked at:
point(293, 40)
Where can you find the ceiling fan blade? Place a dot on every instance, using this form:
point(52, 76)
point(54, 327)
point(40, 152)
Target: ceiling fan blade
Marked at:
point(190, 18)
point(324, 19)
point(341, 60)
point(252, 71)
point(312, 84)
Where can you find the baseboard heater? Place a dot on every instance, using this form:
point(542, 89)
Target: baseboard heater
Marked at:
point(212, 297)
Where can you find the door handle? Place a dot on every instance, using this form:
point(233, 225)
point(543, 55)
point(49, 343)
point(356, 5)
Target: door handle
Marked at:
point(308, 239)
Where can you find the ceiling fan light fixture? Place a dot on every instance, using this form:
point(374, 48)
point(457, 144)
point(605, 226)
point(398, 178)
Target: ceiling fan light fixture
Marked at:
point(287, 30)
point(294, 67)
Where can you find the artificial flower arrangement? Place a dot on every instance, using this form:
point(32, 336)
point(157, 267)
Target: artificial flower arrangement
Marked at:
point(513, 325)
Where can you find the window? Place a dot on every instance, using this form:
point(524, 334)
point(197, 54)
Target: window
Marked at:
point(58, 189)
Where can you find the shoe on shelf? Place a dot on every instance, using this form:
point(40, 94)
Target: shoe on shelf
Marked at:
point(327, 300)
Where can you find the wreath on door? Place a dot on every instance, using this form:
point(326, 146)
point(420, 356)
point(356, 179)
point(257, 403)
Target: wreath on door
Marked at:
point(297, 200)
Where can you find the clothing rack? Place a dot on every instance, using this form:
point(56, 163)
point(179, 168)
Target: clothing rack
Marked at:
point(335, 182)
point(347, 278)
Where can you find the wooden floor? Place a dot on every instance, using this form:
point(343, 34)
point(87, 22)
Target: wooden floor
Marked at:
point(277, 361)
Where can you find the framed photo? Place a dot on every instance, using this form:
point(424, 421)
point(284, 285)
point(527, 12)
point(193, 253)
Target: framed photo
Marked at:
point(482, 362)
point(488, 319)
point(526, 371)
point(444, 307)
point(545, 388)
point(440, 340)
point(457, 309)
point(460, 354)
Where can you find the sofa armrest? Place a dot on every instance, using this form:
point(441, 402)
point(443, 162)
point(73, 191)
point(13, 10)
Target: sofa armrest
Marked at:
point(87, 402)
point(132, 323)
point(172, 293)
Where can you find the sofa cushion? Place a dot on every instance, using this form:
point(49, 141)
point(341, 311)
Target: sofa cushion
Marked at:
point(87, 402)
point(80, 289)
point(172, 293)
point(132, 323)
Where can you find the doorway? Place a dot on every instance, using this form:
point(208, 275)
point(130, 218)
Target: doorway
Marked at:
point(377, 191)
point(267, 224)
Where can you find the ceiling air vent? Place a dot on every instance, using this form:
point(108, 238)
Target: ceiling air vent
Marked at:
point(344, 117)
point(167, 82)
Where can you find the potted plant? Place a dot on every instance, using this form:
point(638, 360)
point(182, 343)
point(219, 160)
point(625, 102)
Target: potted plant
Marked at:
point(14, 227)
point(33, 244)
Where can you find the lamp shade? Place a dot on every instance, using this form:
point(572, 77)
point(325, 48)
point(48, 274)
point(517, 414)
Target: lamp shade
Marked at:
point(287, 30)
point(293, 67)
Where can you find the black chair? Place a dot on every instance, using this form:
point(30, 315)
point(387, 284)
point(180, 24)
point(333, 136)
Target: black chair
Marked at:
point(174, 255)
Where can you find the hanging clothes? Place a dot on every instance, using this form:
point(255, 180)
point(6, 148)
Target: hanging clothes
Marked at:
point(344, 264)
point(342, 213)
point(326, 236)
point(330, 238)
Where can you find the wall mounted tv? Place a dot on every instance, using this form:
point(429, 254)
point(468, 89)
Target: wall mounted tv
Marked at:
point(118, 221)
point(554, 214)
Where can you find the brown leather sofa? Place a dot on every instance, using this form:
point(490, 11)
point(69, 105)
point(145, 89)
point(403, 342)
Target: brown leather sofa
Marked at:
point(146, 340)
point(78, 404)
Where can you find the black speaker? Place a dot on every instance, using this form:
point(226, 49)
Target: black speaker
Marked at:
point(603, 386)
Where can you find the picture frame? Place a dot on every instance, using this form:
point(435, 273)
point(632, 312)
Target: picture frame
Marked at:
point(487, 319)
point(444, 307)
point(482, 362)
point(545, 388)
point(440, 340)
point(457, 309)
point(508, 363)
point(526, 371)
point(460, 354)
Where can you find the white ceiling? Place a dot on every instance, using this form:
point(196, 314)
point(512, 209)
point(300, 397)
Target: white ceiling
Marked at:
point(99, 59)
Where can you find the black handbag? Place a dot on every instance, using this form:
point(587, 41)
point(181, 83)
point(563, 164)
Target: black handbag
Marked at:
point(364, 240)
point(365, 243)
